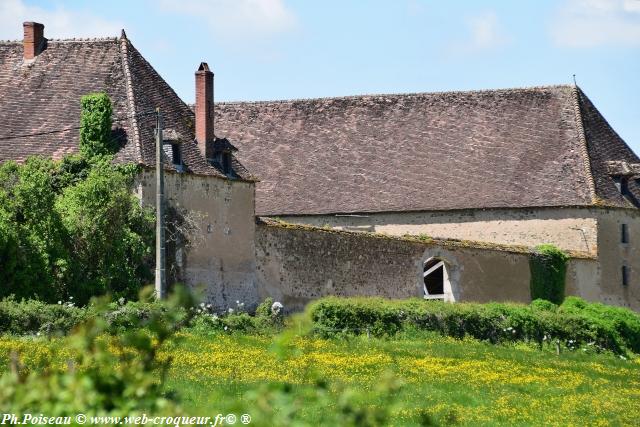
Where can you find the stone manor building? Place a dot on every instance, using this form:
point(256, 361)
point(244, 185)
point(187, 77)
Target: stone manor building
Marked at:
point(436, 195)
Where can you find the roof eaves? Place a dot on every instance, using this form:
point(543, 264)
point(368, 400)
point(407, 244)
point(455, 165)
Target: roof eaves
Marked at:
point(584, 151)
point(411, 239)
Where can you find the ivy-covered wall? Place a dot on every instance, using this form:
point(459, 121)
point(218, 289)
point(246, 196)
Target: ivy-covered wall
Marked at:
point(548, 266)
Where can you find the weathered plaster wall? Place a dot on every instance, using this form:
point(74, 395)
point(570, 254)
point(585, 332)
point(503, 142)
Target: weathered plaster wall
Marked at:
point(567, 228)
point(613, 254)
point(296, 265)
point(221, 258)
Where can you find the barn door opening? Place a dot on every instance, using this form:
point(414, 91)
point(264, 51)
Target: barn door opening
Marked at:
point(435, 279)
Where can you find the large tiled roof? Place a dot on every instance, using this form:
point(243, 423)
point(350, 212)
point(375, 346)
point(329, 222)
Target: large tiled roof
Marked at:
point(44, 95)
point(533, 147)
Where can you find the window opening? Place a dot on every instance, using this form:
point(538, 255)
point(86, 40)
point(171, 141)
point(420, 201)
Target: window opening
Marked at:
point(226, 163)
point(434, 276)
point(176, 156)
point(624, 229)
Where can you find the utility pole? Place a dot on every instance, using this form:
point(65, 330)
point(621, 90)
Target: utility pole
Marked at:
point(161, 281)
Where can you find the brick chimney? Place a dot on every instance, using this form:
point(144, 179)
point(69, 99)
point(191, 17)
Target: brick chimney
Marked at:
point(204, 110)
point(34, 41)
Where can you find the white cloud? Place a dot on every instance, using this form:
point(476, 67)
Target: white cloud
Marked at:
point(237, 18)
point(631, 6)
point(484, 33)
point(59, 23)
point(590, 23)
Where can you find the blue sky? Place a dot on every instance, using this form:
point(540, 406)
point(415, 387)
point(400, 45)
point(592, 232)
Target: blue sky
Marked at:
point(280, 49)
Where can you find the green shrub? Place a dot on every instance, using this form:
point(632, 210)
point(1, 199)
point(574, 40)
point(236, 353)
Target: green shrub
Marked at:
point(548, 266)
point(624, 323)
point(543, 305)
point(494, 322)
point(33, 317)
point(264, 308)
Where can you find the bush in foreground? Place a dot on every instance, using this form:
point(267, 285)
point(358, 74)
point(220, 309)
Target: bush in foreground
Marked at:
point(108, 375)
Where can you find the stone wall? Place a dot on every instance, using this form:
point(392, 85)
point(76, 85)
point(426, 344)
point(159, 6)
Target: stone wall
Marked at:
point(568, 228)
point(218, 254)
point(613, 254)
point(297, 264)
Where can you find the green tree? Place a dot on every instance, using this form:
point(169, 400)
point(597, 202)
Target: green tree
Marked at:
point(110, 234)
point(32, 236)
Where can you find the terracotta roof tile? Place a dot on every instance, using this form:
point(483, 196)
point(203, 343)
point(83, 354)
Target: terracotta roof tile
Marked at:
point(45, 95)
point(412, 152)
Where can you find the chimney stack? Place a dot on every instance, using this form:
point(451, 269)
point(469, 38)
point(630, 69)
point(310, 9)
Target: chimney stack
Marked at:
point(204, 110)
point(34, 41)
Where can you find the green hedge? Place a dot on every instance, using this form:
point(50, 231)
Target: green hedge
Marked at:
point(32, 317)
point(574, 324)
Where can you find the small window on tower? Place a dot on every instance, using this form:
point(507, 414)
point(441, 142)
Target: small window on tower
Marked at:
point(624, 230)
point(625, 275)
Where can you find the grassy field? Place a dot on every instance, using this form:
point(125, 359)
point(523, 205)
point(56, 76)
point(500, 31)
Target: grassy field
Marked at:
point(422, 379)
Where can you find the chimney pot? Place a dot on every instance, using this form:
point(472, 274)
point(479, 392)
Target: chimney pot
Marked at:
point(34, 41)
point(204, 110)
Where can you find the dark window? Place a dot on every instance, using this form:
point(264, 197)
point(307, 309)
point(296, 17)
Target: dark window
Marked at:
point(622, 184)
point(176, 157)
point(226, 163)
point(433, 277)
point(625, 275)
point(624, 229)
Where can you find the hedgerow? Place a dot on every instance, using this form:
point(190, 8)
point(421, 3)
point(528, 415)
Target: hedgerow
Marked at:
point(34, 317)
point(573, 324)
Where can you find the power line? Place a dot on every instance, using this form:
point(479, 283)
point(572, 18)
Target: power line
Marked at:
point(49, 132)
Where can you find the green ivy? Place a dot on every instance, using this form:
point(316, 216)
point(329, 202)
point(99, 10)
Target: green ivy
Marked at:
point(95, 126)
point(548, 266)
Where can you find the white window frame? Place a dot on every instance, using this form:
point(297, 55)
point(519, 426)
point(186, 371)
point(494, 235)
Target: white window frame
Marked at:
point(445, 279)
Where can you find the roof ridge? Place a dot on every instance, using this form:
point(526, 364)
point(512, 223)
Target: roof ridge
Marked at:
point(399, 94)
point(584, 150)
point(606, 122)
point(124, 53)
point(70, 40)
point(188, 108)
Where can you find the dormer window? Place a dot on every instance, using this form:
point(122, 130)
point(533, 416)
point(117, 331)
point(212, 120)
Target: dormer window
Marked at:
point(223, 156)
point(622, 172)
point(622, 184)
point(172, 148)
point(176, 157)
point(226, 162)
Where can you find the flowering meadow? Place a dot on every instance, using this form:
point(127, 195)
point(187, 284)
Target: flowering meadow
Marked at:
point(410, 379)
